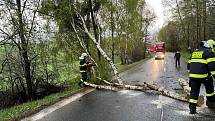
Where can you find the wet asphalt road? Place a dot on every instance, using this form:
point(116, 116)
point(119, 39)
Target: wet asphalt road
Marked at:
point(160, 72)
point(134, 105)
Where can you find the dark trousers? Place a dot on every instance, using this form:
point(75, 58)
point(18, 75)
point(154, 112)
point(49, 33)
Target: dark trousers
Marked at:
point(84, 76)
point(177, 62)
point(195, 85)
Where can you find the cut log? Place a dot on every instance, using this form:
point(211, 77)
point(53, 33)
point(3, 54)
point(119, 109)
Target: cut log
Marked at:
point(183, 83)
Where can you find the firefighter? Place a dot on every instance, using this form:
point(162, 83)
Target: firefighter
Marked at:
point(83, 68)
point(211, 98)
point(201, 68)
point(177, 59)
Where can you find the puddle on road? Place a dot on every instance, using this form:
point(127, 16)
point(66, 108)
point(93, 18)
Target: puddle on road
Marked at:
point(129, 93)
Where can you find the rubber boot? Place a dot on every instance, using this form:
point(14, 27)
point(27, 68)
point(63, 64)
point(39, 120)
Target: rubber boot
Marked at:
point(192, 108)
point(210, 102)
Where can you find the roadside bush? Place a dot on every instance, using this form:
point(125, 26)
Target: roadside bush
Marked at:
point(137, 54)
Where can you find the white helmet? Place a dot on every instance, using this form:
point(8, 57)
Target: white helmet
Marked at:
point(211, 44)
point(206, 44)
point(83, 55)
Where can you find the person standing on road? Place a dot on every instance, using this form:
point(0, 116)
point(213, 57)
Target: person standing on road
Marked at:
point(201, 67)
point(177, 59)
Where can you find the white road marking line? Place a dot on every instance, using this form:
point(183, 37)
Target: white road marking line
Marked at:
point(160, 105)
point(160, 102)
point(164, 69)
point(56, 106)
point(161, 119)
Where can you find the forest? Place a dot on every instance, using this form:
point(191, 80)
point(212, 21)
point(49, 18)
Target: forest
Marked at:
point(191, 22)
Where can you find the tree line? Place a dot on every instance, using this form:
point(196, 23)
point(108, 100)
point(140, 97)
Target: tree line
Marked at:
point(191, 22)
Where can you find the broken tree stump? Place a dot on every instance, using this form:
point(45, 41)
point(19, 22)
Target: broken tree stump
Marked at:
point(185, 86)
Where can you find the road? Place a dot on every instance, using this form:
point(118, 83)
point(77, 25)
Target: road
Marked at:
point(128, 105)
point(160, 72)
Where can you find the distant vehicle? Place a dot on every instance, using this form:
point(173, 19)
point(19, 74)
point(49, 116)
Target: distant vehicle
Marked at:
point(160, 47)
point(152, 48)
point(159, 55)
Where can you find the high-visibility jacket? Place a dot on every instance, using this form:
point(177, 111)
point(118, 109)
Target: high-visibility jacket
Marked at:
point(201, 63)
point(83, 65)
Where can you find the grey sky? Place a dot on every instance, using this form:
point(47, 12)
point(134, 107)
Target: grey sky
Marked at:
point(158, 9)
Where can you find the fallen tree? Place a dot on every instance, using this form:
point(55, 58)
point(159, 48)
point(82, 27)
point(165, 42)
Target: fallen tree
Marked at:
point(119, 85)
point(142, 87)
point(166, 92)
point(98, 46)
point(115, 87)
point(145, 86)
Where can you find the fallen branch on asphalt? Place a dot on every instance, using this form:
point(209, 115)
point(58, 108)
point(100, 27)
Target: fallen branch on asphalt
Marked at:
point(116, 87)
point(112, 88)
point(166, 92)
point(143, 87)
point(185, 86)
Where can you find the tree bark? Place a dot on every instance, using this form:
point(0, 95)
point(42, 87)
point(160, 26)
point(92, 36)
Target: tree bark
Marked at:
point(197, 22)
point(95, 28)
point(24, 52)
point(103, 53)
point(112, 32)
point(204, 19)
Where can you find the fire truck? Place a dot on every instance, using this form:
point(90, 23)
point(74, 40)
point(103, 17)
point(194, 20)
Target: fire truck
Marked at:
point(160, 47)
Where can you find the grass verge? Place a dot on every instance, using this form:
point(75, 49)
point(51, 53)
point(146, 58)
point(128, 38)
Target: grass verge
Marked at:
point(122, 68)
point(29, 108)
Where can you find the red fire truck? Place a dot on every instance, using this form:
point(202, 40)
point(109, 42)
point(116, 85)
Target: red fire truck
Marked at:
point(160, 47)
point(160, 50)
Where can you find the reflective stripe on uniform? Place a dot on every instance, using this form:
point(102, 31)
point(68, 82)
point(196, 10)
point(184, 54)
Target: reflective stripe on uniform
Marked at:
point(83, 71)
point(198, 75)
point(212, 72)
point(189, 61)
point(83, 65)
point(197, 54)
point(198, 61)
point(209, 95)
point(210, 60)
point(192, 101)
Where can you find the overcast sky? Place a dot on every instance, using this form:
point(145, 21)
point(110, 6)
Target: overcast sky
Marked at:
point(158, 9)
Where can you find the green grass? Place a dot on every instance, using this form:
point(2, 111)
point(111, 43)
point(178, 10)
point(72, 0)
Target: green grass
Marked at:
point(20, 110)
point(122, 68)
point(17, 111)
